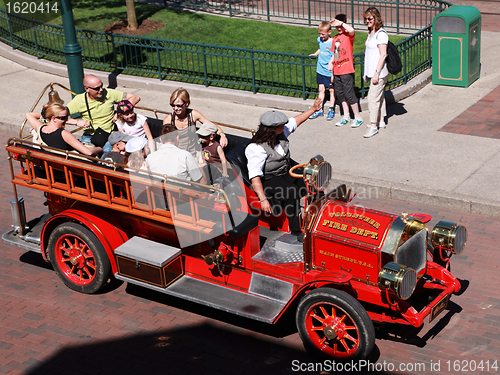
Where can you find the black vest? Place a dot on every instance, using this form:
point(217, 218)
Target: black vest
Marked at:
point(276, 164)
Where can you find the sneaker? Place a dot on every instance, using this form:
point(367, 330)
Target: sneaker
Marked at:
point(371, 132)
point(380, 125)
point(356, 123)
point(344, 121)
point(330, 115)
point(316, 114)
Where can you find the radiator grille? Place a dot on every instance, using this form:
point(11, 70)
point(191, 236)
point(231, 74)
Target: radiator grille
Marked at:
point(412, 253)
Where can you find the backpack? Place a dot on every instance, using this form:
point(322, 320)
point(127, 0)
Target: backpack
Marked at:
point(393, 61)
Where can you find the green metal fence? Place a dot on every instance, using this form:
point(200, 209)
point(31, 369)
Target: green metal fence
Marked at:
point(237, 68)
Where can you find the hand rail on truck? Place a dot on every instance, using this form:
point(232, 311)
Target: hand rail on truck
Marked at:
point(154, 111)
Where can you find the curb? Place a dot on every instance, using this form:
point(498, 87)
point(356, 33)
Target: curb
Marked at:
point(374, 189)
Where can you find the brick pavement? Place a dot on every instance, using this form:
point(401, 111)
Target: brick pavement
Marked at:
point(45, 328)
point(481, 119)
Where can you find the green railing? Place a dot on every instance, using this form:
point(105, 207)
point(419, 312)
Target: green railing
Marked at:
point(399, 15)
point(237, 68)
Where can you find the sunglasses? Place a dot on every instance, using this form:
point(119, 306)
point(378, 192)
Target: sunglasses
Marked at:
point(62, 118)
point(177, 105)
point(98, 88)
point(368, 18)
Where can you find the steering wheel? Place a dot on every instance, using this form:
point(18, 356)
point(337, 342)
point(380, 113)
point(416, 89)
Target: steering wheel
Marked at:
point(296, 175)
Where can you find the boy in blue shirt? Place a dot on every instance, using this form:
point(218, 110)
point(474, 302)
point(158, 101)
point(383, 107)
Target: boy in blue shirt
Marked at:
point(323, 75)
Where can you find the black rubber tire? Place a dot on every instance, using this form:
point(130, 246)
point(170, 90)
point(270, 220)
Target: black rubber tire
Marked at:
point(92, 270)
point(342, 313)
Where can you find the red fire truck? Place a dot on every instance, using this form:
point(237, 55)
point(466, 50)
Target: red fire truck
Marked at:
point(212, 245)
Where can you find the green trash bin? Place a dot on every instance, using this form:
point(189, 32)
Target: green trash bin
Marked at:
point(456, 42)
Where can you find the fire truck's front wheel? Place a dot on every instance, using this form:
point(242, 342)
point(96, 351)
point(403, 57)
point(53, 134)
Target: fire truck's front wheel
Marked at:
point(78, 258)
point(332, 323)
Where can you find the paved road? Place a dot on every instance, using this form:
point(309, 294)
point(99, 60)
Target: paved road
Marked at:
point(45, 328)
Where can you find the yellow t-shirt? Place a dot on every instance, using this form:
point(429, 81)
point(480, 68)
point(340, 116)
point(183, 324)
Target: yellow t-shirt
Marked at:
point(102, 110)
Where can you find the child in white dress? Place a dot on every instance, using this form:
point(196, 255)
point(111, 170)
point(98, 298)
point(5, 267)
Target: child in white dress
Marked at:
point(131, 123)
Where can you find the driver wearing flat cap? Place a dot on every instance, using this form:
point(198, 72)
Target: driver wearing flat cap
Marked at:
point(268, 158)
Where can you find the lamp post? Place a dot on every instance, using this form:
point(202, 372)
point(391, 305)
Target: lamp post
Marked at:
point(72, 49)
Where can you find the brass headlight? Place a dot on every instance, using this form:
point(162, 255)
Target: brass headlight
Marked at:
point(451, 236)
point(318, 172)
point(400, 279)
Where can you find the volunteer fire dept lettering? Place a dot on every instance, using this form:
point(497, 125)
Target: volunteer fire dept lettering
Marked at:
point(350, 217)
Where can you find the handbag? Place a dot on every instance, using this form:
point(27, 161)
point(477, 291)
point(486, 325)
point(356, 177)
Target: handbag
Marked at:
point(393, 61)
point(100, 137)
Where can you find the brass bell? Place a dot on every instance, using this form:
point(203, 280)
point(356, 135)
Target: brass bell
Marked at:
point(54, 98)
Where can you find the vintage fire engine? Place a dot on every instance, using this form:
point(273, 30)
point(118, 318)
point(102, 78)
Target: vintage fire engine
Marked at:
point(212, 245)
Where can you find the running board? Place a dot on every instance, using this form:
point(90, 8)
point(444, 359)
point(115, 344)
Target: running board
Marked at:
point(279, 248)
point(31, 240)
point(218, 297)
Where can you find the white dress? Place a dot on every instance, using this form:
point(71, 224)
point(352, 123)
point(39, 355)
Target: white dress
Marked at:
point(135, 129)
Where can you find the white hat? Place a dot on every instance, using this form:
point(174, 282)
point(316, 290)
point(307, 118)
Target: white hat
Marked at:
point(207, 128)
point(136, 144)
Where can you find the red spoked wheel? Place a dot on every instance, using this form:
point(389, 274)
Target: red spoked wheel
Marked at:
point(78, 258)
point(334, 324)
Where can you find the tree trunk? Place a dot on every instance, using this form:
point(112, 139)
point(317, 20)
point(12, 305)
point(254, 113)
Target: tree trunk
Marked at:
point(131, 17)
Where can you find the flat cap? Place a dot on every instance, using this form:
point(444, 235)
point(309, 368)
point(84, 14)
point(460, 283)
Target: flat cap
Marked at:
point(118, 136)
point(207, 128)
point(273, 118)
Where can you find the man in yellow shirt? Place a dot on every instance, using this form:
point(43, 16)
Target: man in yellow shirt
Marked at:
point(101, 104)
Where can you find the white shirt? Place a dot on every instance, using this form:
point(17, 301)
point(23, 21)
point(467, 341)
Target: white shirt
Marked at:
point(174, 162)
point(256, 155)
point(372, 53)
point(136, 129)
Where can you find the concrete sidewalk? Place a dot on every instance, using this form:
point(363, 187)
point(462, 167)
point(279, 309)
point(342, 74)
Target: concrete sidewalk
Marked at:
point(411, 160)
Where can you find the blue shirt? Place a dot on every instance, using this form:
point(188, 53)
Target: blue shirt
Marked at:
point(324, 57)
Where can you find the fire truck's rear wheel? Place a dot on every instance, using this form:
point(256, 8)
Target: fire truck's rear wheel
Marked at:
point(332, 323)
point(78, 258)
